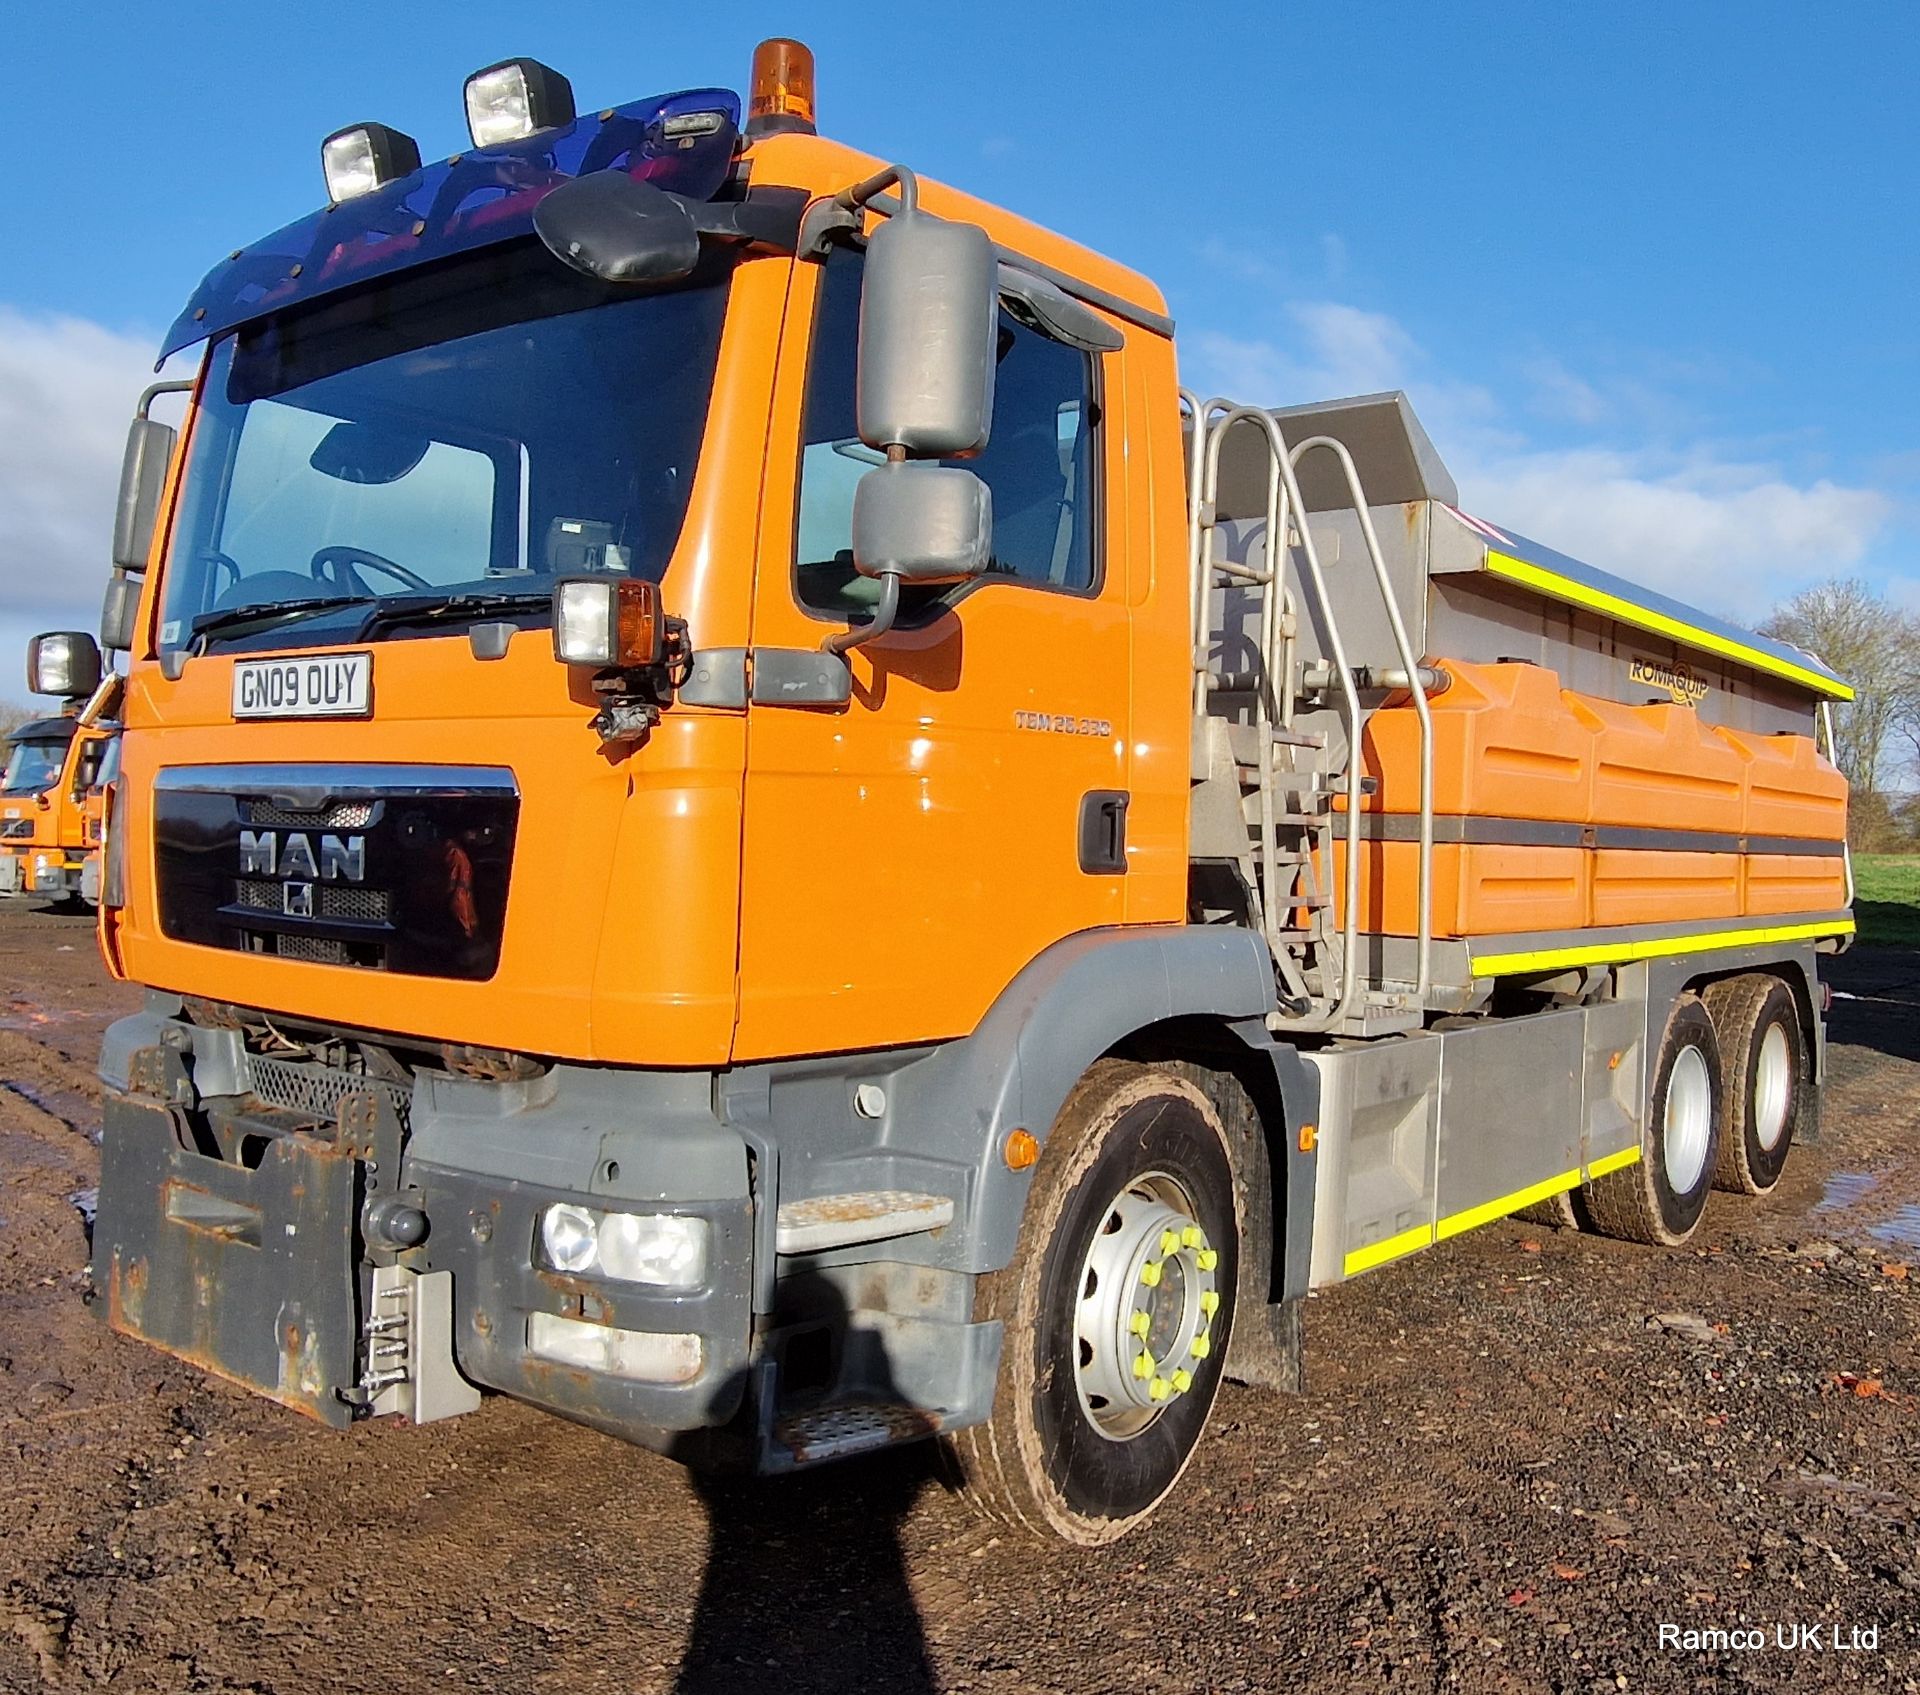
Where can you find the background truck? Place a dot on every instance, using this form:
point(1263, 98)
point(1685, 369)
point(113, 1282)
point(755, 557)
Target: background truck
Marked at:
point(52, 804)
point(744, 824)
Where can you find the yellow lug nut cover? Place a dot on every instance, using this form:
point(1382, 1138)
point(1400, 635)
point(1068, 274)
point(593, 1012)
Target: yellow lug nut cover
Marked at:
point(1150, 1274)
point(1182, 1382)
point(1202, 1346)
point(1143, 1365)
point(1191, 1237)
point(1209, 1301)
point(1168, 1241)
point(1207, 1259)
point(1159, 1389)
point(1140, 1324)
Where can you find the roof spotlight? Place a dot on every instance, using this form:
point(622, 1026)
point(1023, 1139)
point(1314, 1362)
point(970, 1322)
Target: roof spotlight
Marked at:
point(366, 157)
point(516, 98)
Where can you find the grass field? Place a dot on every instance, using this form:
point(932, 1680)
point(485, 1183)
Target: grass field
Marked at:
point(1886, 900)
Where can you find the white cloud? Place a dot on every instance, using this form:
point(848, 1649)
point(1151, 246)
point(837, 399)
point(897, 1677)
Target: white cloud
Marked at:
point(1733, 537)
point(1715, 525)
point(67, 389)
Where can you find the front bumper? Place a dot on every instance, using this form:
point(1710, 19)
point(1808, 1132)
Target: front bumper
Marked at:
point(240, 1229)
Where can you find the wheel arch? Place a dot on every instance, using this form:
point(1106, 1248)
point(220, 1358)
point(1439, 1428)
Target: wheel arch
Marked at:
point(1189, 994)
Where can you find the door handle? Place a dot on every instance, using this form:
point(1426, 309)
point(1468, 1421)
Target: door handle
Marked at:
point(1103, 831)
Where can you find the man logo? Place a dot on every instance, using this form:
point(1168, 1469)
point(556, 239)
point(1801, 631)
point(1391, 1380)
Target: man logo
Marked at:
point(297, 900)
point(341, 859)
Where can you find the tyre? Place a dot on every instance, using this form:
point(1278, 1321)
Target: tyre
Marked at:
point(1117, 1310)
point(1765, 1076)
point(1659, 1199)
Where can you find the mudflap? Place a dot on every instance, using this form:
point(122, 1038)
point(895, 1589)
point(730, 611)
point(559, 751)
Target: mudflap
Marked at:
point(244, 1270)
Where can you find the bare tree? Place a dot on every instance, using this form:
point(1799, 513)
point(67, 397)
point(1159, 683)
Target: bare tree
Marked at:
point(13, 716)
point(1876, 648)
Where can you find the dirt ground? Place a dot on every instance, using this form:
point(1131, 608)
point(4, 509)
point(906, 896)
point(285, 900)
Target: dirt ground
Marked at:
point(1519, 1458)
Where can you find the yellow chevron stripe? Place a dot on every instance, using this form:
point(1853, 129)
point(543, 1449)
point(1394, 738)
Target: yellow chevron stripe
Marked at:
point(1582, 594)
point(1394, 1247)
point(1488, 1211)
point(1662, 947)
point(1612, 1162)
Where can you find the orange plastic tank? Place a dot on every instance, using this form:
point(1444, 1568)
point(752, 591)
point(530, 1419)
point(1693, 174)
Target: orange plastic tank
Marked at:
point(1791, 788)
point(1504, 746)
point(1660, 767)
point(1478, 890)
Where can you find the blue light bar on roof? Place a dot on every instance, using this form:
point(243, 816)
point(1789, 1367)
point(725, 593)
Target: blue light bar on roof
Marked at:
point(682, 142)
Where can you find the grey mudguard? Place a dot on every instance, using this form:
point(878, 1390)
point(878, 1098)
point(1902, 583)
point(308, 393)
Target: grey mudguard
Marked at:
point(1072, 1004)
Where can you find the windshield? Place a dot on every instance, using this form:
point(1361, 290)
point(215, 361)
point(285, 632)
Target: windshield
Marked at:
point(472, 431)
point(33, 767)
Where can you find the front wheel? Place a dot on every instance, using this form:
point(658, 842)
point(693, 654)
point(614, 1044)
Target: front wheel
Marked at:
point(1117, 1310)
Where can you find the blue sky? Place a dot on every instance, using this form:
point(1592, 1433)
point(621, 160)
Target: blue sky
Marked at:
point(1648, 272)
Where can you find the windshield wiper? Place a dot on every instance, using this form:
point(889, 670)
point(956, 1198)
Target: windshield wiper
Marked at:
point(238, 619)
point(449, 608)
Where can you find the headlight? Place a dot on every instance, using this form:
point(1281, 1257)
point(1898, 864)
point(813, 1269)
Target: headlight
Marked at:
point(649, 1355)
point(567, 1235)
point(607, 621)
point(516, 98)
point(662, 1249)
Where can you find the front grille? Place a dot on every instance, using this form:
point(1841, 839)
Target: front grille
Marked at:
point(15, 828)
point(345, 901)
point(313, 1090)
point(330, 900)
point(316, 950)
point(341, 815)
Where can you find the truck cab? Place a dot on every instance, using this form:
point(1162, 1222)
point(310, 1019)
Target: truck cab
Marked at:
point(49, 806)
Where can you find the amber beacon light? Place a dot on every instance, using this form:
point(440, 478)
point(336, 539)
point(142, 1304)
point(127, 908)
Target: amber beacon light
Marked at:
point(780, 96)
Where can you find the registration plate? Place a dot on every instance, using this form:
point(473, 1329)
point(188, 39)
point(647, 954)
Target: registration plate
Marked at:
point(327, 685)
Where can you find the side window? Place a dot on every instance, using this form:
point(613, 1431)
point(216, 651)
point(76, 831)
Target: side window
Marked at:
point(1039, 462)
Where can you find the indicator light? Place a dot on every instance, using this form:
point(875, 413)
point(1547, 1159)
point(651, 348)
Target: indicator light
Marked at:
point(1022, 1150)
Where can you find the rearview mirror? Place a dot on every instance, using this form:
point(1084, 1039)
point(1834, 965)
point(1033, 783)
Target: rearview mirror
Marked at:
point(119, 612)
point(63, 662)
point(143, 475)
point(619, 229)
point(922, 523)
point(929, 336)
point(353, 452)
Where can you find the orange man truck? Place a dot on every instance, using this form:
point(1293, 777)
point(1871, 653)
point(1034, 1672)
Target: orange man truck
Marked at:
point(742, 823)
point(51, 805)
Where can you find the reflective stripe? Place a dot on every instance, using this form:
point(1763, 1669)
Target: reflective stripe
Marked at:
point(1488, 1211)
point(1394, 1247)
point(1457, 1224)
point(1660, 947)
point(1612, 1162)
point(1584, 594)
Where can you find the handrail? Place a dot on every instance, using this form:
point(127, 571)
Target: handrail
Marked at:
point(1422, 711)
point(1282, 481)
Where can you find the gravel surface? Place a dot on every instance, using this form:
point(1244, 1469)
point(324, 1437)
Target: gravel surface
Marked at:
point(1519, 1457)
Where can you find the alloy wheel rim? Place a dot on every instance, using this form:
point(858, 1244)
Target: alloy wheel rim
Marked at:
point(1772, 1087)
point(1147, 1296)
point(1687, 1130)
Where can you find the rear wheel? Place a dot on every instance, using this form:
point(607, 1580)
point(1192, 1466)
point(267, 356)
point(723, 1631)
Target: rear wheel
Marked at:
point(1764, 1073)
point(1117, 1310)
point(1660, 1198)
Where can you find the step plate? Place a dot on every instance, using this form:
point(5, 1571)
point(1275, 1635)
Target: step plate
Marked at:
point(869, 1215)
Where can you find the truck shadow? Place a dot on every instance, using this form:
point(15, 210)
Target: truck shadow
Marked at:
point(806, 1584)
point(805, 1587)
point(1876, 999)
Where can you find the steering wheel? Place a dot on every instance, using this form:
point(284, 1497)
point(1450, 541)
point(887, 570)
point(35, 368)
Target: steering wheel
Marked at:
point(338, 565)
